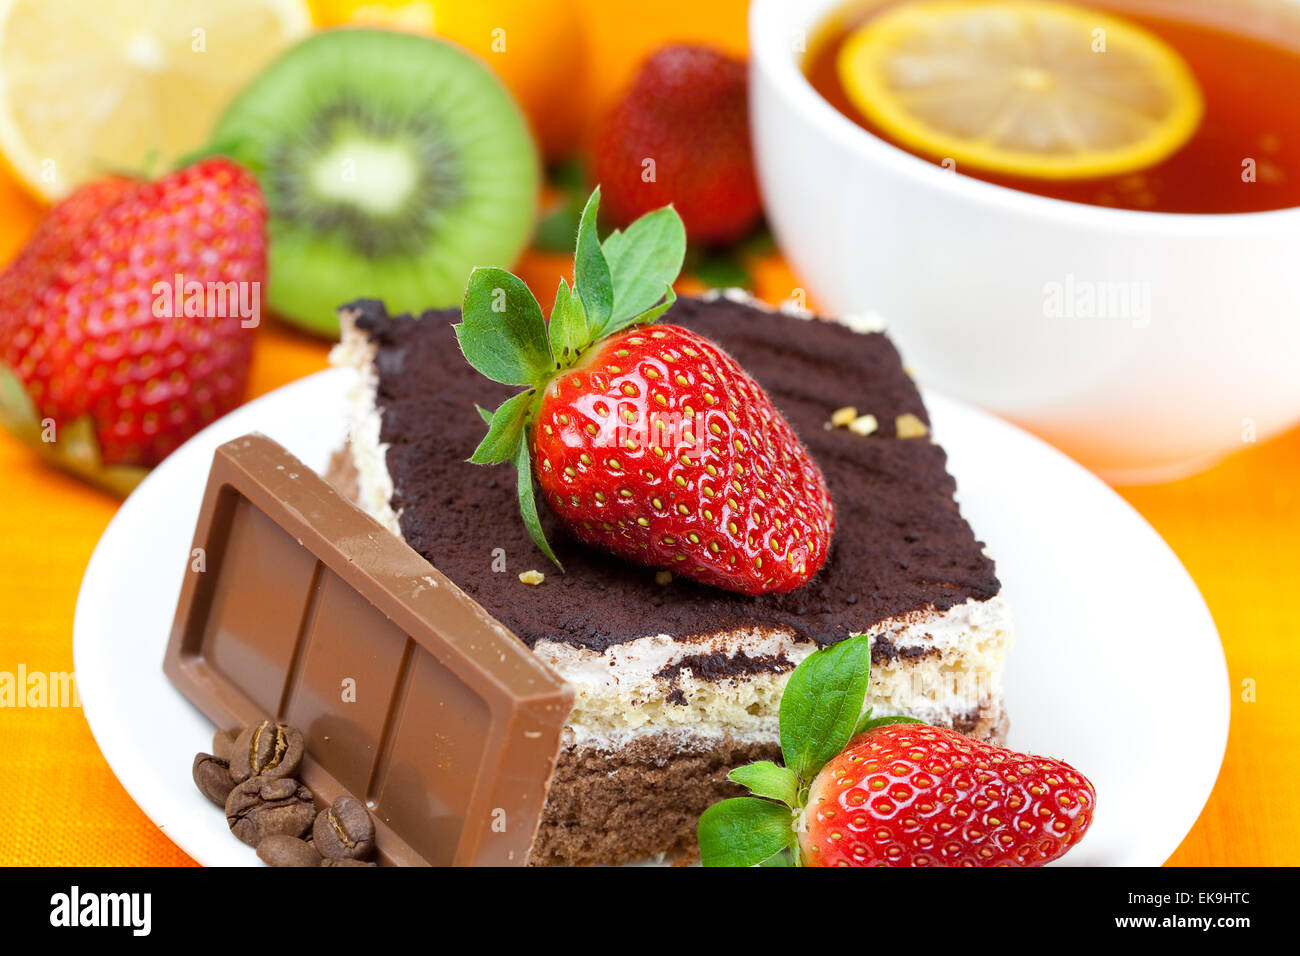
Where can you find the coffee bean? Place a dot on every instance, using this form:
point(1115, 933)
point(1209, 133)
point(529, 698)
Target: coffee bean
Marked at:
point(344, 830)
point(260, 807)
point(212, 777)
point(281, 850)
point(345, 862)
point(223, 742)
point(266, 749)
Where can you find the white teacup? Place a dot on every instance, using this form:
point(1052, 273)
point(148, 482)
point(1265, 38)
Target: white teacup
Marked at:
point(1146, 345)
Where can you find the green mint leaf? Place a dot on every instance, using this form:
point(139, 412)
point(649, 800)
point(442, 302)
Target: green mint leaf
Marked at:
point(643, 259)
point(528, 503)
point(744, 831)
point(501, 331)
point(871, 723)
point(484, 414)
point(505, 430)
point(766, 779)
point(568, 325)
point(822, 704)
point(591, 276)
point(649, 315)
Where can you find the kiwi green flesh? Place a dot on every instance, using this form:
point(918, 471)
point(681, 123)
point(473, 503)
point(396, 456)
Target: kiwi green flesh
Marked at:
point(392, 165)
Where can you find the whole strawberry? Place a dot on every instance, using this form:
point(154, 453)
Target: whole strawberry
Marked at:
point(649, 442)
point(857, 790)
point(914, 795)
point(658, 447)
point(680, 135)
point(127, 320)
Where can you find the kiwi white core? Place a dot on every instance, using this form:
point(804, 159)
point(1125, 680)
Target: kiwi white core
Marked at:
point(377, 177)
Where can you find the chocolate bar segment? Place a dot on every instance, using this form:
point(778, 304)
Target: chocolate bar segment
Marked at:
point(298, 605)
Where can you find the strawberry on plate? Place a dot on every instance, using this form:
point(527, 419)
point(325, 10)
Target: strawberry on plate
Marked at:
point(857, 790)
point(914, 795)
point(126, 322)
point(680, 135)
point(649, 442)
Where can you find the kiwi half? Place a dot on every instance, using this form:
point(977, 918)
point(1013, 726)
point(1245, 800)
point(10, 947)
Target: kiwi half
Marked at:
point(392, 164)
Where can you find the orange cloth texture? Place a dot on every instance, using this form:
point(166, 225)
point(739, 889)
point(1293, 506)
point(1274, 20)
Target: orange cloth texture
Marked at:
point(1235, 527)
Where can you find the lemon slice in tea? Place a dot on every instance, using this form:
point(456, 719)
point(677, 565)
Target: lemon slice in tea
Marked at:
point(89, 87)
point(1041, 90)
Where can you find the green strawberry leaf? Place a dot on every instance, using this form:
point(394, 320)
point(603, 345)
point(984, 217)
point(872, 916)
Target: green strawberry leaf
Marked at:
point(505, 430)
point(568, 326)
point(744, 831)
point(643, 259)
point(871, 723)
point(591, 275)
point(528, 503)
point(822, 704)
point(502, 332)
point(782, 857)
point(649, 315)
point(766, 779)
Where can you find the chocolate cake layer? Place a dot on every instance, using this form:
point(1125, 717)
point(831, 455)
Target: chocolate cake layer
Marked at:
point(642, 802)
point(900, 542)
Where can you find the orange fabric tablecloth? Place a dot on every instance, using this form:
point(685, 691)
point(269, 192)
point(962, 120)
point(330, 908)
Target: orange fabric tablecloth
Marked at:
point(1236, 528)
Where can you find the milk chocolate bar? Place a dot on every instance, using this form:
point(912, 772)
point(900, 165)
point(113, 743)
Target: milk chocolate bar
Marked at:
point(299, 606)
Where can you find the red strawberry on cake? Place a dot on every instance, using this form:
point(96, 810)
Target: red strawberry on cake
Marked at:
point(656, 446)
point(649, 442)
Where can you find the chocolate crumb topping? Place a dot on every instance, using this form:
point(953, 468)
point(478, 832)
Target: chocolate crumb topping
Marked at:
point(900, 542)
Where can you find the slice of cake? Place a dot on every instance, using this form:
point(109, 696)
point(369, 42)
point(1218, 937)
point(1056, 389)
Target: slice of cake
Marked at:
point(676, 682)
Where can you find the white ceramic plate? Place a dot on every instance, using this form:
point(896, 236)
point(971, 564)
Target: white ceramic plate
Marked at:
point(1115, 650)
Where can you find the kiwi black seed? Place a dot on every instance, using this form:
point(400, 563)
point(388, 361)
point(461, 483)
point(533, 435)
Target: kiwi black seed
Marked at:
point(392, 164)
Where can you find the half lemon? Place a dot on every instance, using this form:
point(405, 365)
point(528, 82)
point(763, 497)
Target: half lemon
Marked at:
point(89, 87)
point(1042, 90)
